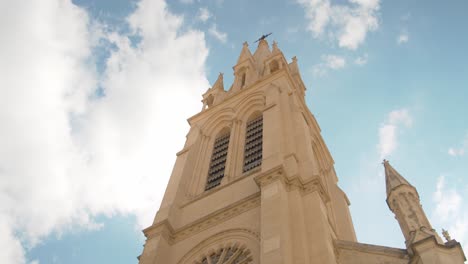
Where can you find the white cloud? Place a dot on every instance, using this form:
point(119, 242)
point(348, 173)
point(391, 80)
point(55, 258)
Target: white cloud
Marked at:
point(451, 212)
point(362, 60)
point(329, 62)
point(335, 62)
point(203, 14)
point(221, 36)
point(448, 202)
point(403, 37)
point(347, 23)
point(66, 158)
point(460, 151)
point(389, 130)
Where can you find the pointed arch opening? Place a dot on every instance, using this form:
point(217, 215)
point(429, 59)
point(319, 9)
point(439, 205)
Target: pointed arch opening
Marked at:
point(253, 142)
point(218, 159)
point(243, 76)
point(274, 66)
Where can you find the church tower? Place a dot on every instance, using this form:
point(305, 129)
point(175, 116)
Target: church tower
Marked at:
point(255, 181)
point(255, 184)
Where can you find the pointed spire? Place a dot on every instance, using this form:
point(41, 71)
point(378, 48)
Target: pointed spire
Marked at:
point(245, 53)
point(262, 52)
point(393, 179)
point(219, 84)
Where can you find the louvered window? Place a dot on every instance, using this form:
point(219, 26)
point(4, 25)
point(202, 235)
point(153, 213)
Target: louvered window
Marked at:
point(253, 144)
point(218, 162)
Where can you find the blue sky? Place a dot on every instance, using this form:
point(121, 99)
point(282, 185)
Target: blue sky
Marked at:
point(95, 95)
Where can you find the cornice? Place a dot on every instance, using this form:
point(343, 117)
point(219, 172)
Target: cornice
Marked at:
point(278, 174)
point(195, 198)
point(173, 236)
point(370, 249)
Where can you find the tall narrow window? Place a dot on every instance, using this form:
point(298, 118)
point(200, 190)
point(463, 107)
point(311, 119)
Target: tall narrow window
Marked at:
point(243, 79)
point(218, 161)
point(253, 144)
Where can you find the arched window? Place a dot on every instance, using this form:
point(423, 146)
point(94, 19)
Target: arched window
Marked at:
point(243, 79)
point(218, 161)
point(253, 144)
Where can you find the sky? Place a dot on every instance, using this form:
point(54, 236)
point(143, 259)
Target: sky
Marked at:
point(94, 97)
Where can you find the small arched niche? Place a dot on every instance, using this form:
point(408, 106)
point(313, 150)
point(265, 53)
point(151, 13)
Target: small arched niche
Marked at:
point(243, 77)
point(274, 66)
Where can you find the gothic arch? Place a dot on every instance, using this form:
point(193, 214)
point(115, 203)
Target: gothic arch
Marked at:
point(252, 103)
point(246, 239)
point(217, 122)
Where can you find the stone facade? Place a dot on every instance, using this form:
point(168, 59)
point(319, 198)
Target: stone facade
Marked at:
point(266, 192)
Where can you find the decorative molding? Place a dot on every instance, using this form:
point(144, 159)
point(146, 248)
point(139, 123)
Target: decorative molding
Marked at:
point(268, 107)
point(278, 173)
point(163, 228)
point(269, 176)
point(194, 198)
point(184, 150)
point(173, 236)
point(370, 249)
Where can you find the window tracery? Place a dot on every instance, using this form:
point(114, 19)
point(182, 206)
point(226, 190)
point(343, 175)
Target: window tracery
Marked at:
point(231, 255)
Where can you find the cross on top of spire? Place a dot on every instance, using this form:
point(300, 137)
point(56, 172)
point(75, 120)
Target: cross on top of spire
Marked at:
point(263, 37)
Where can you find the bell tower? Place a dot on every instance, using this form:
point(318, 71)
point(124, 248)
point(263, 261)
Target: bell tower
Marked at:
point(254, 182)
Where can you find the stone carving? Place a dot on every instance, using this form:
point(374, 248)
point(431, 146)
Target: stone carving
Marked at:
point(231, 255)
point(173, 236)
point(446, 235)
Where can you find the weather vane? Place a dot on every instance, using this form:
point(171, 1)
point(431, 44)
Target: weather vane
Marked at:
point(263, 37)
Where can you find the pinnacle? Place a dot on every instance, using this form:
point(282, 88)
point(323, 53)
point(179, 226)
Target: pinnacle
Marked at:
point(262, 53)
point(219, 82)
point(393, 179)
point(245, 53)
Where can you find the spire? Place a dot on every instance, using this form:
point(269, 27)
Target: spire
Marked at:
point(262, 52)
point(245, 53)
point(406, 205)
point(393, 179)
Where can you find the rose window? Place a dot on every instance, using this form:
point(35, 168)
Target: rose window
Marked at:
point(231, 255)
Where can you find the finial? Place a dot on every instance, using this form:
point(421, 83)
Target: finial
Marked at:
point(294, 59)
point(446, 235)
point(245, 44)
point(384, 162)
